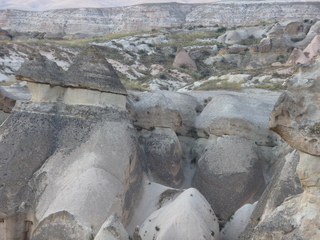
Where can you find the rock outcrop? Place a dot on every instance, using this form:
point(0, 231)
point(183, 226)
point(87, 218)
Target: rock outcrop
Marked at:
point(90, 80)
point(296, 114)
point(233, 115)
point(231, 169)
point(296, 119)
point(80, 155)
point(183, 59)
point(8, 97)
point(146, 17)
point(297, 56)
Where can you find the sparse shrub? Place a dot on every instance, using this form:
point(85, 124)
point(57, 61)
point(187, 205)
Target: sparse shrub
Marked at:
point(221, 30)
point(297, 39)
point(205, 53)
point(275, 75)
point(157, 228)
point(162, 76)
point(251, 37)
point(184, 66)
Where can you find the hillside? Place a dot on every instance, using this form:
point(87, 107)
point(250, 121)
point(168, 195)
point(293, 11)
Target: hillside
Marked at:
point(148, 16)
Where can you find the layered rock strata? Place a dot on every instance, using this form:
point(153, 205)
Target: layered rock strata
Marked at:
point(148, 16)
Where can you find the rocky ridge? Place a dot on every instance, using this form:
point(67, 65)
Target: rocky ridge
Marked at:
point(148, 16)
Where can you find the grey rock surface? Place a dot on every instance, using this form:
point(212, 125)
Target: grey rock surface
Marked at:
point(146, 17)
point(91, 70)
point(10, 94)
point(167, 109)
point(230, 175)
point(38, 68)
point(73, 168)
point(295, 116)
point(284, 183)
point(163, 156)
point(229, 114)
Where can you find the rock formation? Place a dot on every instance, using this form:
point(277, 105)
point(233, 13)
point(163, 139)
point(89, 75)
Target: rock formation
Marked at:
point(71, 180)
point(183, 59)
point(188, 209)
point(313, 48)
point(8, 97)
point(231, 169)
point(297, 56)
point(296, 119)
point(146, 17)
point(89, 80)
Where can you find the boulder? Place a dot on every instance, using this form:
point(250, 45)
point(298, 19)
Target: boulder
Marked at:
point(53, 36)
point(182, 215)
point(166, 109)
point(74, 168)
point(183, 59)
point(154, 110)
point(163, 156)
point(228, 114)
point(233, 37)
point(231, 169)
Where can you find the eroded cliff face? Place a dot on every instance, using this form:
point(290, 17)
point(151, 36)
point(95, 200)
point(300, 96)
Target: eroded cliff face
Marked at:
point(148, 16)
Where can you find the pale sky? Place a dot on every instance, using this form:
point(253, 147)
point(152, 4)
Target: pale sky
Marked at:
point(40, 5)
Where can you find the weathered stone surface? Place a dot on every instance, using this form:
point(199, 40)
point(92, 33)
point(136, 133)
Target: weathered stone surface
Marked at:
point(166, 109)
point(284, 183)
point(231, 170)
point(156, 110)
point(163, 156)
point(60, 225)
point(145, 17)
point(235, 115)
point(295, 116)
point(91, 70)
point(73, 166)
point(183, 215)
point(313, 48)
point(297, 217)
point(38, 68)
point(183, 59)
point(297, 56)
point(10, 94)
point(112, 229)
